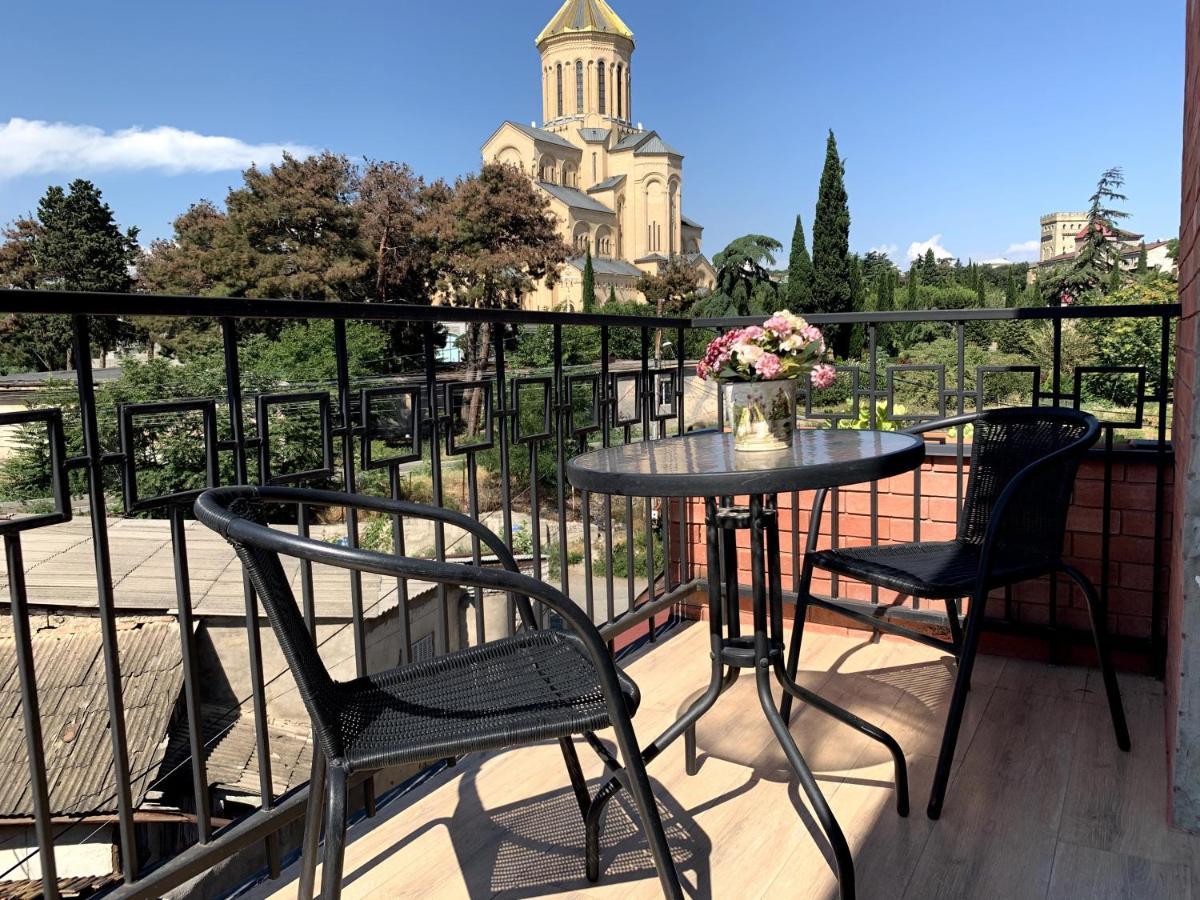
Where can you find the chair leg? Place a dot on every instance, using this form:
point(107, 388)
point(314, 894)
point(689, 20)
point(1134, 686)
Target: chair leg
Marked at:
point(643, 798)
point(958, 702)
point(312, 826)
point(1098, 614)
point(793, 661)
point(335, 832)
point(575, 771)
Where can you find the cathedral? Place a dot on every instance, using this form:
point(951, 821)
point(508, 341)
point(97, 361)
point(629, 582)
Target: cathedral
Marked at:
point(615, 187)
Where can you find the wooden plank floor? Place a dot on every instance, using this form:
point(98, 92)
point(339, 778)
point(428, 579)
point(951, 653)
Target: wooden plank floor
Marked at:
point(1041, 802)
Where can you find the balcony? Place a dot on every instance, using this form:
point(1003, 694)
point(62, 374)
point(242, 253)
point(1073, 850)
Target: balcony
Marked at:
point(172, 739)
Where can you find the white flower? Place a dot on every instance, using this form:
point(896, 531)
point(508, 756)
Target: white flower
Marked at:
point(747, 353)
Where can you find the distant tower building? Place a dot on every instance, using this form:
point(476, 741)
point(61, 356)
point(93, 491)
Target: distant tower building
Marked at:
point(1058, 234)
point(616, 188)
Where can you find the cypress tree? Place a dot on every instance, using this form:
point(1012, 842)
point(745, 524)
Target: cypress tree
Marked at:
point(1010, 290)
point(1143, 263)
point(858, 302)
point(913, 280)
point(831, 291)
point(800, 273)
point(1114, 277)
point(981, 293)
point(929, 268)
point(589, 284)
point(612, 293)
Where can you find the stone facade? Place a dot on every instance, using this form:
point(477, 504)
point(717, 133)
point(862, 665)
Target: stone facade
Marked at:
point(615, 187)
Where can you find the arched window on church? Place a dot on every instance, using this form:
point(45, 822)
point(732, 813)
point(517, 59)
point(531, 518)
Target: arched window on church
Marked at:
point(560, 91)
point(603, 100)
point(579, 86)
point(620, 93)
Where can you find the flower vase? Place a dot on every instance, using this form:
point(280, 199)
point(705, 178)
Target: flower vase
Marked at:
point(761, 415)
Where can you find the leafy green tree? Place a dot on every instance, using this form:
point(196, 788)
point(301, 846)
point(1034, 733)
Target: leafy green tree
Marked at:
point(831, 246)
point(495, 239)
point(744, 283)
point(589, 284)
point(74, 244)
point(874, 264)
point(671, 291)
point(800, 273)
point(18, 254)
point(294, 233)
point(185, 264)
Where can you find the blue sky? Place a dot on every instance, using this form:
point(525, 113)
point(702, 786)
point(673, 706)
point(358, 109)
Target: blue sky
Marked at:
point(960, 119)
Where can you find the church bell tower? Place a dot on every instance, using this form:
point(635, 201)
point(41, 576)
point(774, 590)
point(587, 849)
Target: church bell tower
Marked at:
point(586, 74)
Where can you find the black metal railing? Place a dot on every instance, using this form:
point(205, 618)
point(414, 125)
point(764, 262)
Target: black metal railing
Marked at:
point(362, 428)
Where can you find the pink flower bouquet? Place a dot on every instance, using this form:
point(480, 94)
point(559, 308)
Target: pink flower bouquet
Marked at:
point(783, 347)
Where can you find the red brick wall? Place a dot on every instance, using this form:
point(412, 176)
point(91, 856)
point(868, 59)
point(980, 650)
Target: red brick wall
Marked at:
point(1131, 549)
point(1185, 367)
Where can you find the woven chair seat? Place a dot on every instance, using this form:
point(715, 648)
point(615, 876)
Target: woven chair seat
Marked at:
point(531, 687)
point(936, 570)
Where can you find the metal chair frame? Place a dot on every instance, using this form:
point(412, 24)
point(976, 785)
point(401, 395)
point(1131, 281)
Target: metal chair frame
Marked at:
point(964, 642)
point(235, 513)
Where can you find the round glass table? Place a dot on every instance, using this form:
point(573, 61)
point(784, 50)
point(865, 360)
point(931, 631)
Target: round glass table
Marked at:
point(705, 465)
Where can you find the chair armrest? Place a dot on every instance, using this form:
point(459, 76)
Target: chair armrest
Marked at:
point(217, 516)
point(235, 528)
point(955, 422)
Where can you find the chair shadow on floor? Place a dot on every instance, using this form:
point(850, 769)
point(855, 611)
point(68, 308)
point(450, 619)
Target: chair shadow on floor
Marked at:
point(910, 697)
point(535, 847)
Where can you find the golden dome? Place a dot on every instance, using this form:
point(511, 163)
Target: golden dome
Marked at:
point(582, 17)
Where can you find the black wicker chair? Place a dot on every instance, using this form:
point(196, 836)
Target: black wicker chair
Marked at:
point(533, 686)
point(1011, 528)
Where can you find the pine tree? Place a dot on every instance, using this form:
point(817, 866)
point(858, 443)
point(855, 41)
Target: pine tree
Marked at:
point(1143, 263)
point(800, 273)
point(831, 246)
point(589, 284)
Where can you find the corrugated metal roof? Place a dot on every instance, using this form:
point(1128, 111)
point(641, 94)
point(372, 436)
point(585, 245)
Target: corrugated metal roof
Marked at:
point(594, 135)
point(233, 760)
point(541, 134)
point(603, 266)
point(582, 16)
point(573, 198)
point(607, 184)
point(75, 713)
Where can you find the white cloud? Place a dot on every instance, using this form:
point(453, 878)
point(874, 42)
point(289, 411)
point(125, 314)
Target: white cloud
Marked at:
point(919, 249)
point(998, 261)
point(33, 147)
point(888, 250)
point(1026, 251)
